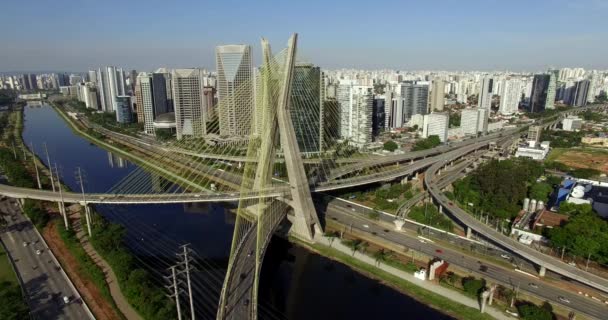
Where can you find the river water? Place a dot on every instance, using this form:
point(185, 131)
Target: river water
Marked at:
point(296, 284)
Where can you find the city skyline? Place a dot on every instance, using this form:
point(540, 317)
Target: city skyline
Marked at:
point(443, 35)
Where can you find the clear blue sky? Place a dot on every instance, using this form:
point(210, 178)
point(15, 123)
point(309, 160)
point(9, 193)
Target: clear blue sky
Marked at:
point(414, 35)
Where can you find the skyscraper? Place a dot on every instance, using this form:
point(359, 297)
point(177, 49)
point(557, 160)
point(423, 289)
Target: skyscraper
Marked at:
point(485, 93)
point(378, 116)
point(235, 89)
point(538, 97)
point(145, 101)
point(306, 107)
point(510, 96)
point(469, 119)
point(123, 109)
point(356, 104)
point(580, 93)
point(437, 95)
point(108, 84)
point(411, 98)
point(190, 117)
point(551, 89)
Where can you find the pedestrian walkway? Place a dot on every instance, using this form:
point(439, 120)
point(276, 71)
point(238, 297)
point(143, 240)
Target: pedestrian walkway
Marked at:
point(121, 301)
point(428, 285)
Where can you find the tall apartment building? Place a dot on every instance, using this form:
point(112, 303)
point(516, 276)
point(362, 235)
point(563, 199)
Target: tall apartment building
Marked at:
point(436, 123)
point(235, 89)
point(510, 96)
point(437, 95)
point(190, 117)
point(485, 93)
point(111, 83)
point(534, 133)
point(356, 106)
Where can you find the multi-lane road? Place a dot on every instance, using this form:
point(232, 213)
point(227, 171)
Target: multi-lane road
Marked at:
point(44, 282)
point(343, 213)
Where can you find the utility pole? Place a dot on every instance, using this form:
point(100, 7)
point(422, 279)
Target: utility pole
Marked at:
point(87, 214)
point(587, 265)
point(14, 150)
point(36, 167)
point(61, 203)
point(48, 160)
point(173, 287)
point(185, 264)
point(563, 251)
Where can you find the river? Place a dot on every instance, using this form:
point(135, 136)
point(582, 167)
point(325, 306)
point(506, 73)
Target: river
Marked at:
point(296, 284)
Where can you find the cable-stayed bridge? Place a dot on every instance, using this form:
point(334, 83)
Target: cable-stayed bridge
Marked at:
point(267, 174)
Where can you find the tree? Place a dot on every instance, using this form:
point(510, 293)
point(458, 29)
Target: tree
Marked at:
point(331, 236)
point(13, 306)
point(382, 255)
point(473, 286)
point(391, 146)
point(540, 191)
point(530, 311)
point(374, 215)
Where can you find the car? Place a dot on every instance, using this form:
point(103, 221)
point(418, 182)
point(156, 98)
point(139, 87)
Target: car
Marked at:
point(450, 203)
point(386, 230)
point(483, 268)
point(374, 233)
point(38, 252)
point(348, 206)
point(533, 285)
point(250, 253)
point(246, 302)
point(353, 209)
point(562, 299)
point(439, 251)
point(243, 276)
point(422, 241)
point(505, 256)
point(197, 195)
point(365, 226)
point(25, 243)
point(572, 263)
point(66, 300)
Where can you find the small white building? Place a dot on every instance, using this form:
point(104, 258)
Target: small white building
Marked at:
point(572, 123)
point(533, 150)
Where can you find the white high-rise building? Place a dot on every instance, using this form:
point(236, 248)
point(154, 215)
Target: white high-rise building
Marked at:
point(510, 97)
point(188, 98)
point(485, 93)
point(235, 89)
point(469, 119)
point(482, 123)
point(436, 123)
point(356, 106)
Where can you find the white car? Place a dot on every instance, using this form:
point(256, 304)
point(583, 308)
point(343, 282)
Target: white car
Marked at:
point(562, 299)
point(66, 300)
point(25, 243)
point(505, 256)
point(365, 226)
point(38, 252)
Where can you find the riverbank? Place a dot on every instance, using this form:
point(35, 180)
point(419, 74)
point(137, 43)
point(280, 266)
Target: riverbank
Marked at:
point(45, 216)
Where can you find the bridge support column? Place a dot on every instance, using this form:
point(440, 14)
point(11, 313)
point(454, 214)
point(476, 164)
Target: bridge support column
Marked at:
point(405, 180)
point(484, 300)
point(469, 232)
point(440, 208)
point(64, 213)
point(412, 161)
point(491, 298)
point(541, 271)
point(417, 176)
point(398, 224)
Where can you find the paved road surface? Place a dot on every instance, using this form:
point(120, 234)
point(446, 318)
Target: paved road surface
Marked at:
point(45, 285)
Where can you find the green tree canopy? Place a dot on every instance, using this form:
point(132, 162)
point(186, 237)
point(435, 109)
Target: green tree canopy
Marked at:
point(529, 311)
point(391, 146)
